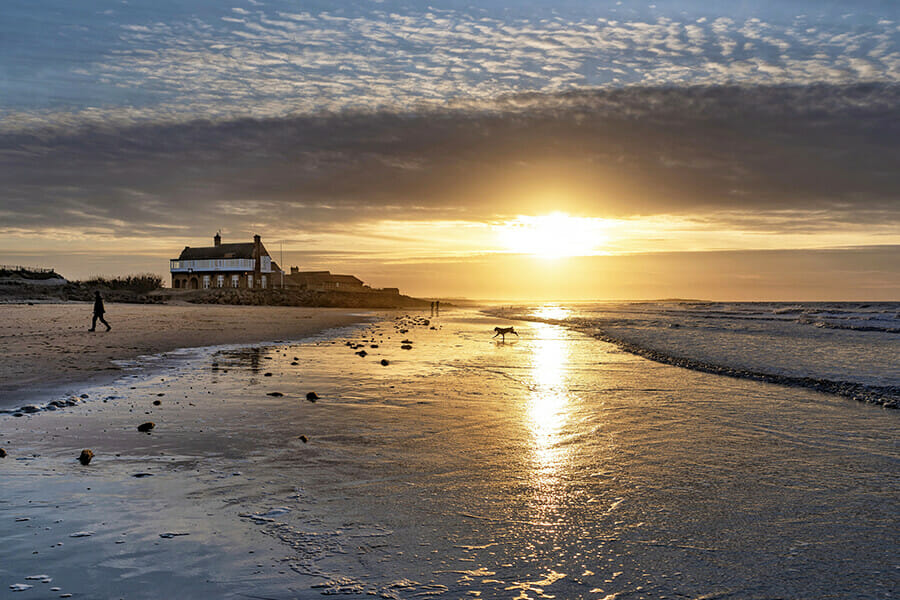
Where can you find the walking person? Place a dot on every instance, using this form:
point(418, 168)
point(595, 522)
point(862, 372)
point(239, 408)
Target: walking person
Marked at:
point(98, 313)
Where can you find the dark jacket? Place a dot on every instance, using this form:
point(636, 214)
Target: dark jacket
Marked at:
point(98, 306)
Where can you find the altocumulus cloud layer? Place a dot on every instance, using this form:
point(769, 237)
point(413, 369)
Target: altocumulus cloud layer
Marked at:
point(769, 159)
point(103, 60)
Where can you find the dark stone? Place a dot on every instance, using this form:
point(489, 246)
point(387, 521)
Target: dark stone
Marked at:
point(31, 408)
point(312, 396)
point(141, 475)
point(406, 342)
point(267, 374)
point(406, 347)
point(385, 362)
point(362, 353)
point(303, 439)
point(85, 457)
point(156, 403)
point(2, 453)
point(146, 427)
point(373, 345)
point(275, 394)
point(84, 396)
point(294, 364)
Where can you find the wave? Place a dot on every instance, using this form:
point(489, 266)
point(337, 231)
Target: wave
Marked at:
point(849, 326)
point(887, 396)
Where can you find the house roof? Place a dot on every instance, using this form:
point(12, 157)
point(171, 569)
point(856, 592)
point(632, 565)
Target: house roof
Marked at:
point(323, 276)
point(242, 250)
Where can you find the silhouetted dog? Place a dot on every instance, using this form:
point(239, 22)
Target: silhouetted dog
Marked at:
point(502, 331)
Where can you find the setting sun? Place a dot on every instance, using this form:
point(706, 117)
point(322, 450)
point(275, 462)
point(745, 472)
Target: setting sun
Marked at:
point(555, 235)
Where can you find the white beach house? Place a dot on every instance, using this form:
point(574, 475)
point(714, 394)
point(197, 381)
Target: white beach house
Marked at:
point(244, 265)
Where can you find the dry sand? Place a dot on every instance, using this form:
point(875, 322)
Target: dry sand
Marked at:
point(47, 347)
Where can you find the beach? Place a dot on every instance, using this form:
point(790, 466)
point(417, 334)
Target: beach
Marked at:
point(47, 348)
point(554, 465)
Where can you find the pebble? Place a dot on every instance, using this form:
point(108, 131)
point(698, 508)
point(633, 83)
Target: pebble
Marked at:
point(312, 396)
point(146, 427)
point(275, 394)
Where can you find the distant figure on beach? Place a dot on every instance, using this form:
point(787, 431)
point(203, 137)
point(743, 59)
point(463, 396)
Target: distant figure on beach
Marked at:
point(502, 331)
point(437, 306)
point(432, 308)
point(98, 313)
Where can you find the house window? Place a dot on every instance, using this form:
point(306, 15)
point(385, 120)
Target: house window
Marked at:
point(220, 281)
point(250, 280)
point(206, 282)
point(234, 280)
point(263, 282)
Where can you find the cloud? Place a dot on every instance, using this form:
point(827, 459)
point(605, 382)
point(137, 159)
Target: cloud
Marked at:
point(764, 159)
point(273, 61)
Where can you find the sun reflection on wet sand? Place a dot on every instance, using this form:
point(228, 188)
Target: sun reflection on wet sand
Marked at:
point(548, 410)
point(551, 311)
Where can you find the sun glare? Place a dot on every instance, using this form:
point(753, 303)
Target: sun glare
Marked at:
point(553, 236)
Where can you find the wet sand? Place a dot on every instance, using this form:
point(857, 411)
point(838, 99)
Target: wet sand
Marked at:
point(47, 348)
point(552, 466)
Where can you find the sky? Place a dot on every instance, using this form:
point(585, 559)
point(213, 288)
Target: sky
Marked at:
point(530, 150)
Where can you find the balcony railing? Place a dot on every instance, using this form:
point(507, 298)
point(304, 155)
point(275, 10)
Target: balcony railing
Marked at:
point(221, 265)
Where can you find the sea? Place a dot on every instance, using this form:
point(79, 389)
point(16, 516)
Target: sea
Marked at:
point(606, 451)
point(847, 348)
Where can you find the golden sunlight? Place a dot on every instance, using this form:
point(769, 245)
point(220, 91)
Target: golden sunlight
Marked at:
point(555, 235)
point(551, 311)
point(548, 409)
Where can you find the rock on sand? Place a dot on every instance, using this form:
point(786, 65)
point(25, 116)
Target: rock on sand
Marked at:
point(85, 457)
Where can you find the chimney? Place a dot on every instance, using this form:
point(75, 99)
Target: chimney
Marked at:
point(217, 240)
point(257, 252)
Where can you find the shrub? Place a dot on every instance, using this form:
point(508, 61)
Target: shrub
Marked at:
point(140, 283)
